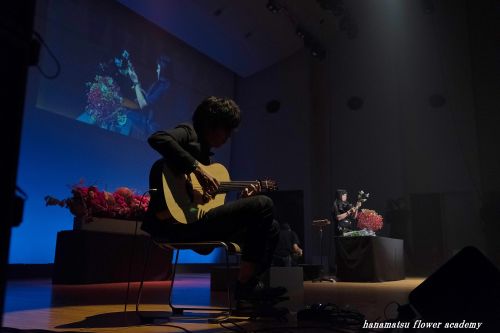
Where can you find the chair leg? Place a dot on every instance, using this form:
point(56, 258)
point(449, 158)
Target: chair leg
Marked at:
point(228, 277)
point(180, 310)
point(146, 262)
point(177, 311)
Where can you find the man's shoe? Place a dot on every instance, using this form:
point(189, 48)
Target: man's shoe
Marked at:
point(254, 290)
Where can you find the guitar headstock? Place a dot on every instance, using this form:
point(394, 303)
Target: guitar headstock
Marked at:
point(268, 185)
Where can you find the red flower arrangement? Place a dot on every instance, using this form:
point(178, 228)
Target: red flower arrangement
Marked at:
point(88, 202)
point(369, 219)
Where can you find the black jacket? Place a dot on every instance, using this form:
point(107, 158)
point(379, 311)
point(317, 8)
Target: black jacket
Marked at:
point(180, 147)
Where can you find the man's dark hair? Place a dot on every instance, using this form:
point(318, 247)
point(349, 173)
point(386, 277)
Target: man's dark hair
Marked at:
point(216, 112)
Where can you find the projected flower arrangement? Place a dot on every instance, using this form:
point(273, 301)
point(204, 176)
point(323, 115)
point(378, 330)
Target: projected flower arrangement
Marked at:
point(116, 100)
point(103, 103)
point(88, 202)
point(370, 220)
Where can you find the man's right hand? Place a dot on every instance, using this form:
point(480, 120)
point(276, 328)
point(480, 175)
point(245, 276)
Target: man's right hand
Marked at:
point(209, 184)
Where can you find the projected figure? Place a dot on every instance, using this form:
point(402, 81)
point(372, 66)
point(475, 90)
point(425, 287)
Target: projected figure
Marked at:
point(143, 122)
point(117, 102)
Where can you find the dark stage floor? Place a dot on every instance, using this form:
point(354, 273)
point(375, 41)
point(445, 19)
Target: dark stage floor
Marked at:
point(37, 304)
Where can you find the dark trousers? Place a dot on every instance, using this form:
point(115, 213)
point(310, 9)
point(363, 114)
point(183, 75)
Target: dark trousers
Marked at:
point(248, 222)
point(282, 261)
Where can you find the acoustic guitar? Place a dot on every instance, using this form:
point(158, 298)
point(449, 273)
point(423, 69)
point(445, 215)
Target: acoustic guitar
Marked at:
point(183, 197)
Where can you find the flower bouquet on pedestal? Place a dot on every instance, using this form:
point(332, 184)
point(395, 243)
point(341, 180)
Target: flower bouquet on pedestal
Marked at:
point(370, 221)
point(88, 202)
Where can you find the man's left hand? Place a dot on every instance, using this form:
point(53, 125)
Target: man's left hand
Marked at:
point(250, 190)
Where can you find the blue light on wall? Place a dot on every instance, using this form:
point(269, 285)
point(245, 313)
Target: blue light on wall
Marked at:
point(57, 151)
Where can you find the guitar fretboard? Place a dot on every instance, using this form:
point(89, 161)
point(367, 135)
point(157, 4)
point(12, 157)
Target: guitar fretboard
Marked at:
point(240, 185)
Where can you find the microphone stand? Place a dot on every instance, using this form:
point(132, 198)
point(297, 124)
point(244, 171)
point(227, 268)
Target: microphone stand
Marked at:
point(321, 224)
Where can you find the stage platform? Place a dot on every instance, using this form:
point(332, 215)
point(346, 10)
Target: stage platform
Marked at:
point(99, 308)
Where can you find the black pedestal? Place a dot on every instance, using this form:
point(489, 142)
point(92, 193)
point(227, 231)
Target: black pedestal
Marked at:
point(100, 257)
point(369, 259)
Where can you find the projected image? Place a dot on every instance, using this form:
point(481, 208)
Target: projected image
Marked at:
point(111, 78)
point(120, 73)
point(119, 100)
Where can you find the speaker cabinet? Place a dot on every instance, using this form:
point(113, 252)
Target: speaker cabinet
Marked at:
point(466, 287)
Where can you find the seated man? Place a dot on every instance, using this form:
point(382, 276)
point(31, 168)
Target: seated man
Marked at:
point(248, 220)
point(288, 248)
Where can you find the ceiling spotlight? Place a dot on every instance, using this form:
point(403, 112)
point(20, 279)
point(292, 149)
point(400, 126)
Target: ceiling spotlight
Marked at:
point(428, 6)
point(273, 7)
point(300, 32)
point(218, 11)
point(355, 103)
point(437, 100)
point(318, 52)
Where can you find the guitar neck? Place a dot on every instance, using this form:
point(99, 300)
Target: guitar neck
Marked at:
point(265, 185)
point(235, 185)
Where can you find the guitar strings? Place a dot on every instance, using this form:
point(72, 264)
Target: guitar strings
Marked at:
point(234, 185)
point(223, 187)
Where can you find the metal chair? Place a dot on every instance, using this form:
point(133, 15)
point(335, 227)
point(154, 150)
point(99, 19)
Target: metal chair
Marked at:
point(202, 248)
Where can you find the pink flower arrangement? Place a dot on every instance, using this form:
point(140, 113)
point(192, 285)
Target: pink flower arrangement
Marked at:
point(369, 219)
point(87, 202)
point(104, 102)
